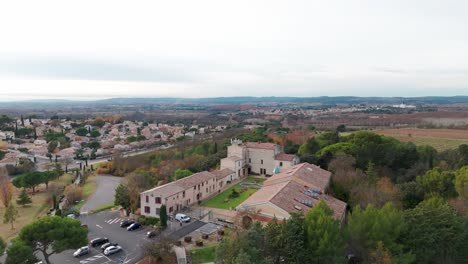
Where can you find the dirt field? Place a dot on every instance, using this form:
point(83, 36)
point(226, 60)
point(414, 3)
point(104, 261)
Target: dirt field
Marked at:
point(441, 139)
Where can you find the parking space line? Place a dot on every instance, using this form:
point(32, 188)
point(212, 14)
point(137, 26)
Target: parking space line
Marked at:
point(93, 258)
point(98, 226)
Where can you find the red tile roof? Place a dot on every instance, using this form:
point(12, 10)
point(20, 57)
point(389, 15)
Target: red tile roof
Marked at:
point(285, 157)
point(260, 145)
point(287, 189)
point(220, 174)
point(182, 184)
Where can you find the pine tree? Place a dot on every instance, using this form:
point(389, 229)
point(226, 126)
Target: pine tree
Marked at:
point(10, 215)
point(23, 198)
point(163, 215)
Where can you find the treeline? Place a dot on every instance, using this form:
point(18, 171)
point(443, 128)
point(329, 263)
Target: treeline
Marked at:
point(432, 232)
point(407, 204)
point(161, 165)
point(34, 178)
point(374, 169)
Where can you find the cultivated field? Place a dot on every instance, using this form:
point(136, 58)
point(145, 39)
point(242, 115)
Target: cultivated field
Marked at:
point(440, 139)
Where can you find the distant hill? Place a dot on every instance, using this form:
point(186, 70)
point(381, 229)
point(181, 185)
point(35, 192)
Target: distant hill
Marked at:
point(322, 99)
point(244, 100)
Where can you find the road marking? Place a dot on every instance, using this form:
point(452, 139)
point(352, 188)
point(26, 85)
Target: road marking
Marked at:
point(93, 258)
point(112, 221)
point(98, 226)
point(115, 220)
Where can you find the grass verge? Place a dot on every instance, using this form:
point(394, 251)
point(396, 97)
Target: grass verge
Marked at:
point(103, 208)
point(89, 187)
point(203, 255)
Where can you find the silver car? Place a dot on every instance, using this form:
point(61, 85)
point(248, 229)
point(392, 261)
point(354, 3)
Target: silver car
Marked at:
point(112, 250)
point(81, 251)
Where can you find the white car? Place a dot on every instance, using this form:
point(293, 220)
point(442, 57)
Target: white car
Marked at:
point(182, 218)
point(112, 250)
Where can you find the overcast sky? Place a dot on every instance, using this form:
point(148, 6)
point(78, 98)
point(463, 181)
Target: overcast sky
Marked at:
point(101, 49)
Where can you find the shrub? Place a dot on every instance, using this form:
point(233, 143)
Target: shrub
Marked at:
point(148, 221)
point(234, 194)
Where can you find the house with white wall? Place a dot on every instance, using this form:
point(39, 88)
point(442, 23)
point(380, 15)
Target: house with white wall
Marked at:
point(256, 158)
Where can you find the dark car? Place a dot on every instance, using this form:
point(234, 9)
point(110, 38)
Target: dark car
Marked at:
point(99, 241)
point(134, 226)
point(126, 223)
point(108, 244)
point(151, 234)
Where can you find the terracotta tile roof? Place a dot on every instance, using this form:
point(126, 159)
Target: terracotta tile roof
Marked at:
point(285, 157)
point(194, 179)
point(287, 189)
point(182, 184)
point(165, 190)
point(233, 158)
point(260, 145)
point(220, 174)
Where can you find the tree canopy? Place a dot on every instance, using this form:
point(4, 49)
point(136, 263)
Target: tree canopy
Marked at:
point(50, 235)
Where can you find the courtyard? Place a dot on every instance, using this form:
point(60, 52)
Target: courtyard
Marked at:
point(235, 195)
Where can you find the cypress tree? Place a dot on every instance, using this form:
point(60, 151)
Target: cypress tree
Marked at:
point(163, 215)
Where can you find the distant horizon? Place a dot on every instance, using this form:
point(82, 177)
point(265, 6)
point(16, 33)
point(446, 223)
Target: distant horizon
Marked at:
point(79, 99)
point(214, 48)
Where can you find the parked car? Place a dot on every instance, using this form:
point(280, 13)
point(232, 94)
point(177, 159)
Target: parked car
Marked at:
point(81, 251)
point(99, 241)
point(72, 216)
point(84, 225)
point(151, 234)
point(108, 244)
point(112, 250)
point(182, 218)
point(126, 223)
point(134, 226)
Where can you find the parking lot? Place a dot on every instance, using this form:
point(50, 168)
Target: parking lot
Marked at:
point(107, 224)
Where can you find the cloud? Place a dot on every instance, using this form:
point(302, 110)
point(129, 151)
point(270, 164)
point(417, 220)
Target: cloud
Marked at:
point(91, 69)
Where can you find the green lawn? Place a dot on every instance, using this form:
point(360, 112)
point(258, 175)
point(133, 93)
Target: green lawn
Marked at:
point(203, 255)
point(254, 180)
point(223, 201)
point(89, 187)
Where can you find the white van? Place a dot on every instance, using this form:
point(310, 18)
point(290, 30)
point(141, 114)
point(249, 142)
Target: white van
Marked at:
point(182, 218)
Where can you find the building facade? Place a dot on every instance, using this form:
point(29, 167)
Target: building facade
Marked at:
point(185, 192)
point(243, 159)
point(256, 158)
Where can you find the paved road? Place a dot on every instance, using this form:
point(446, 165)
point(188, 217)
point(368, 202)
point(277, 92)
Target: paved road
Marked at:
point(104, 194)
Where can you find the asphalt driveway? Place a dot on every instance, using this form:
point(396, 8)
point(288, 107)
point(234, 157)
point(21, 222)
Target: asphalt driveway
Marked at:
point(104, 194)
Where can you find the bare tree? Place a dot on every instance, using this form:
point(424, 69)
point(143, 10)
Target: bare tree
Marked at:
point(67, 160)
point(135, 183)
point(73, 193)
point(6, 189)
point(161, 250)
